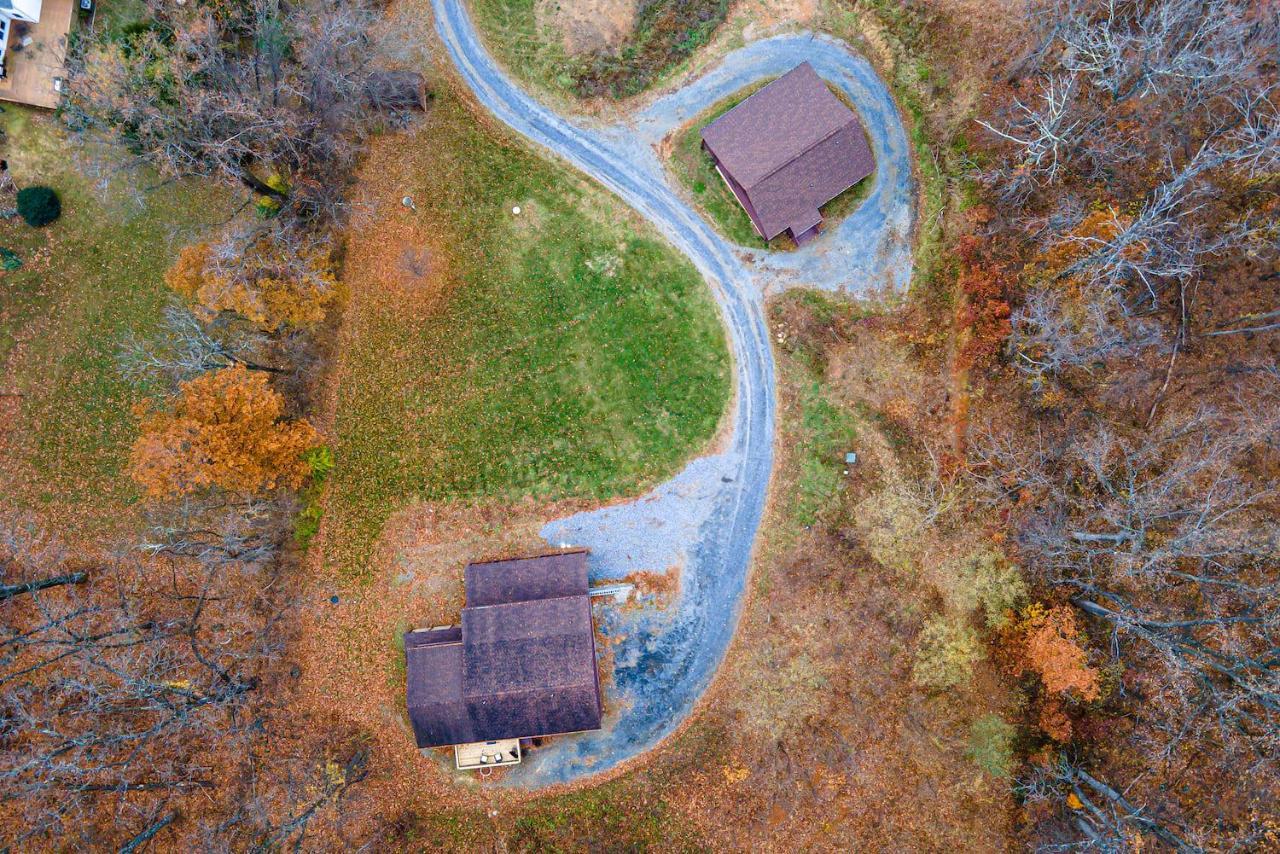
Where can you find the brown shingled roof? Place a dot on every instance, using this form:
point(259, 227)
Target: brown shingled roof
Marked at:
point(787, 150)
point(522, 664)
point(521, 579)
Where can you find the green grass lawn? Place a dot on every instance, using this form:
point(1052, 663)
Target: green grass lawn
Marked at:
point(694, 169)
point(511, 32)
point(564, 352)
point(88, 281)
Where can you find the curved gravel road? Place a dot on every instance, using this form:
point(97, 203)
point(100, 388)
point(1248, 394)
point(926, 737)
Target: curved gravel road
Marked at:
point(702, 523)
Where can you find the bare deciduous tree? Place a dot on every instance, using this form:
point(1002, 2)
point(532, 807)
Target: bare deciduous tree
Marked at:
point(115, 689)
point(186, 347)
point(1165, 539)
point(270, 93)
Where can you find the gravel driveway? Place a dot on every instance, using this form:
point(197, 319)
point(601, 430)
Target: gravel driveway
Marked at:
point(702, 523)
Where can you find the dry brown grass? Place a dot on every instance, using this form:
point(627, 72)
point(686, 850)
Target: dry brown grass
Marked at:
point(587, 26)
point(833, 746)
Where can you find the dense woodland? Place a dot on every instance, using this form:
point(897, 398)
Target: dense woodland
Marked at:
point(1120, 312)
point(1133, 224)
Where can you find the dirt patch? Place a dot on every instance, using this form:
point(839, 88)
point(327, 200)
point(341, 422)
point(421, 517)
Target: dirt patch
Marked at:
point(767, 14)
point(587, 26)
point(654, 589)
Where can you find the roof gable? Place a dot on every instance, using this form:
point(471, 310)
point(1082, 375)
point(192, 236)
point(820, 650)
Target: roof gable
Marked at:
point(547, 643)
point(522, 579)
point(789, 198)
point(776, 125)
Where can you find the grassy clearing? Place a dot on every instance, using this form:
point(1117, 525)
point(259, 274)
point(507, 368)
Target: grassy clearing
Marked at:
point(511, 33)
point(88, 282)
point(694, 169)
point(563, 352)
point(822, 430)
point(667, 33)
point(617, 816)
point(119, 14)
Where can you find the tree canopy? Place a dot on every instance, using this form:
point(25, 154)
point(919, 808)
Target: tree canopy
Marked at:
point(239, 90)
point(226, 430)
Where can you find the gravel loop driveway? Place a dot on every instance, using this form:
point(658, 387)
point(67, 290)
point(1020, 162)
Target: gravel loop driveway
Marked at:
point(702, 523)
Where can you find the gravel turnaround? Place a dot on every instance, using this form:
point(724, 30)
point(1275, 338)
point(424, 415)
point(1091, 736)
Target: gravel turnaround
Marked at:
point(702, 523)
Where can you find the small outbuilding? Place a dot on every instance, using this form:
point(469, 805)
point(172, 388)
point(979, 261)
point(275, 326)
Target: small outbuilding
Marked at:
point(522, 664)
point(787, 150)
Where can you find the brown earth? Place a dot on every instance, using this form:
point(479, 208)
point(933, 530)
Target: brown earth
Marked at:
point(587, 26)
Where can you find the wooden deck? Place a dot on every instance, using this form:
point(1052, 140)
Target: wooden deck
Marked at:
point(32, 69)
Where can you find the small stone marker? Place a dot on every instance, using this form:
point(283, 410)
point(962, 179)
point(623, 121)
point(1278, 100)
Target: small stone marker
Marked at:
point(516, 210)
point(407, 201)
point(851, 458)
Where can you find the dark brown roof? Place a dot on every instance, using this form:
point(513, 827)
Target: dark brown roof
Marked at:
point(521, 579)
point(790, 148)
point(434, 695)
point(522, 664)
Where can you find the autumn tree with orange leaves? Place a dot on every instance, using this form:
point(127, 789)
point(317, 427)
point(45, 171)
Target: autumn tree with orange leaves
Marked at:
point(1047, 643)
point(225, 431)
point(279, 279)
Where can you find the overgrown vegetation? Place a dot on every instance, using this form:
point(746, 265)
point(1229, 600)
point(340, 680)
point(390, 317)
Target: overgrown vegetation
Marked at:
point(696, 171)
point(991, 745)
point(1131, 440)
point(143, 666)
point(1074, 600)
point(666, 34)
point(565, 351)
point(902, 35)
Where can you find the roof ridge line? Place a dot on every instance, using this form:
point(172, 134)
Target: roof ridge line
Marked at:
point(586, 596)
point(547, 553)
point(775, 170)
point(549, 688)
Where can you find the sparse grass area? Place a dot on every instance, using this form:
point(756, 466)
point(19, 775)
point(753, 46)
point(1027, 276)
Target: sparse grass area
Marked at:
point(88, 282)
point(920, 88)
point(602, 818)
point(633, 815)
point(821, 666)
point(694, 169)
point(511, 33)
point(827, 431)
point(118, 14)
point(563, 352)
point(666, 34)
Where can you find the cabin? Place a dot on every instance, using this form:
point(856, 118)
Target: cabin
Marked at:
point(33, 49)
point(787, 150)
point(520, 665)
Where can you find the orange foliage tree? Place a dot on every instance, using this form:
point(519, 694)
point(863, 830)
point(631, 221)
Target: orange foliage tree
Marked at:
point(225, 431)
point(276, 280)
point(985, 311)
point(1047, 643)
